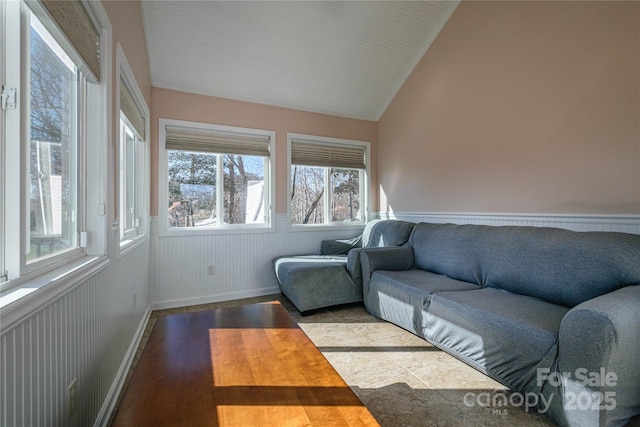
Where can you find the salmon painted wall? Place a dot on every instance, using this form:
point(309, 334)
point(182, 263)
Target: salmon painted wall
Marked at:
point(207, 109)
point(126, 21)
point(519, 107)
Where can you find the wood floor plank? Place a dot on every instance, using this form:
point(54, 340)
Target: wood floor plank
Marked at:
point(241, 366)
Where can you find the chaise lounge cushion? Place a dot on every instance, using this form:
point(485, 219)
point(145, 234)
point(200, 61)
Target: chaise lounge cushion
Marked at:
point(314, 281)
point(335, 277)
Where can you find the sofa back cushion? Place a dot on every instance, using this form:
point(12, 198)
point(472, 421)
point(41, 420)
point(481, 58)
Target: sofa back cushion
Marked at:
point(382, 233)
point(559, 266)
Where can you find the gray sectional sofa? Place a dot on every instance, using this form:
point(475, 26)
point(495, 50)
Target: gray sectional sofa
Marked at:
point(334, 276)
point(552, 314)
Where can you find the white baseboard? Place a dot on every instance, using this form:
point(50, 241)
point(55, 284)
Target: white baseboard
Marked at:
point(617, 223)
point(104, 416)
point(229, 296)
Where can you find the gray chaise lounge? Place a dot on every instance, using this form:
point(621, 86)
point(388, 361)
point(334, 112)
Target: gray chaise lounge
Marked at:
point(552, 314)
point(334, 276)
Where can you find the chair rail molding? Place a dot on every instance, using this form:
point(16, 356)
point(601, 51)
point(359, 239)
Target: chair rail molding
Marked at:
point(616, 223)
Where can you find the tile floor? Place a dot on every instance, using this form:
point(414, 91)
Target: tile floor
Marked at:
point(402, 379)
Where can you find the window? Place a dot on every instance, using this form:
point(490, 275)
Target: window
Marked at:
point(52, 105)
point(54, 147)
point(133, 154)
point(328, 181)
point(215, 177)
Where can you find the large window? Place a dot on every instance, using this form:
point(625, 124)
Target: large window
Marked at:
point(133, 154)
point(52, 105)
point(54, 147)
point(216, 177)
point(327, 181)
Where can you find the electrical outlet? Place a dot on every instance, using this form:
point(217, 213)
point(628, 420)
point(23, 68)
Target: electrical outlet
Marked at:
point(72, 395)
point(211, 269)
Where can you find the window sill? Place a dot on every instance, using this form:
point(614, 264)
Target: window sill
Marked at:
point(19, 302)
point(195, 231)
point(129, 245)
point(326, 227)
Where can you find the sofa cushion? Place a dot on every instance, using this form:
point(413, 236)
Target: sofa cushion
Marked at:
point(560, 266)
point(505, 335)
point(316, 281)
point(398, 296)
point(453, 250)
point(383, 233)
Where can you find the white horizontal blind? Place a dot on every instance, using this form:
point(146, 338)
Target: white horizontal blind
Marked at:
point(130, 109)
point(216, 141)
point(74, 21)
point(323, 154)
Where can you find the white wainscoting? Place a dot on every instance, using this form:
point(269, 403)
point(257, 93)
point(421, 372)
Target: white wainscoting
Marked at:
point(88, 333)
point(619, 223)
point(243, 262)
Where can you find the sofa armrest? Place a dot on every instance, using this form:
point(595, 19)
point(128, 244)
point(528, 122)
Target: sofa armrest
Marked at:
point(339, 247)
point(354, 267)
point(394, 258)
point(354, 263)
point(600, 339)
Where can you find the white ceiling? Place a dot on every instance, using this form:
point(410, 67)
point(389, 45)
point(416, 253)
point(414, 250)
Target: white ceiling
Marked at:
point(344, 58)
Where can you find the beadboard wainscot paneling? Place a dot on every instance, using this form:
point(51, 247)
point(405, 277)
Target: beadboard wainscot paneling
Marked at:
point(90, 333)
point(617, 223)
point(243, 262)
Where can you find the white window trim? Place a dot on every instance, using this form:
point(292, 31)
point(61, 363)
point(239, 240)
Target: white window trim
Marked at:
point(129, 241)
point(128, 235)
point(45, 264)
point(355, 225)
point(25, 292)
point(163, 184)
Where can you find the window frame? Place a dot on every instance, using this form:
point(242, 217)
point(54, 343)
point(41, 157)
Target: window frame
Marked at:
point(365, 183)
point(27, 277)
point(129, 239)
point(80, 132)
point(220, 228)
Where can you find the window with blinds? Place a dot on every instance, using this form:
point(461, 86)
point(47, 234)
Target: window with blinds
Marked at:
point(216, 141)
point(217, 176)
point(129, 107)
point(315, 153)
point(52, 139)
point(328, 180)
point(133, 155)
point(82, 38)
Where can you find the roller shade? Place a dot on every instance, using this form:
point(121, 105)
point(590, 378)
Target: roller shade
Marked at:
point(312, 153)
point(74, 21)
point(215, 141)
point(130, 109)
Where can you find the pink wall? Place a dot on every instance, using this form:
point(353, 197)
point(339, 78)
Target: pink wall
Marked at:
point(207, 109)
point(519, 107)
point(126, 21)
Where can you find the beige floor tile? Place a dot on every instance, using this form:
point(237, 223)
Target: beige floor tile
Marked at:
point(405, 401)
point(506, 416)
point(362, 368)
point(446, 372)
point(375, 332)
point(337, 335)
point(353, 314)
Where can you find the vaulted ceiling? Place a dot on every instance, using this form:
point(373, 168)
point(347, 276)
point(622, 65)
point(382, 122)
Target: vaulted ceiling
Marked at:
point(344, 58)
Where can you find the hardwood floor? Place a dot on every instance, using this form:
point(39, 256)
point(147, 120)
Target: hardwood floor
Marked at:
point(241, 366)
